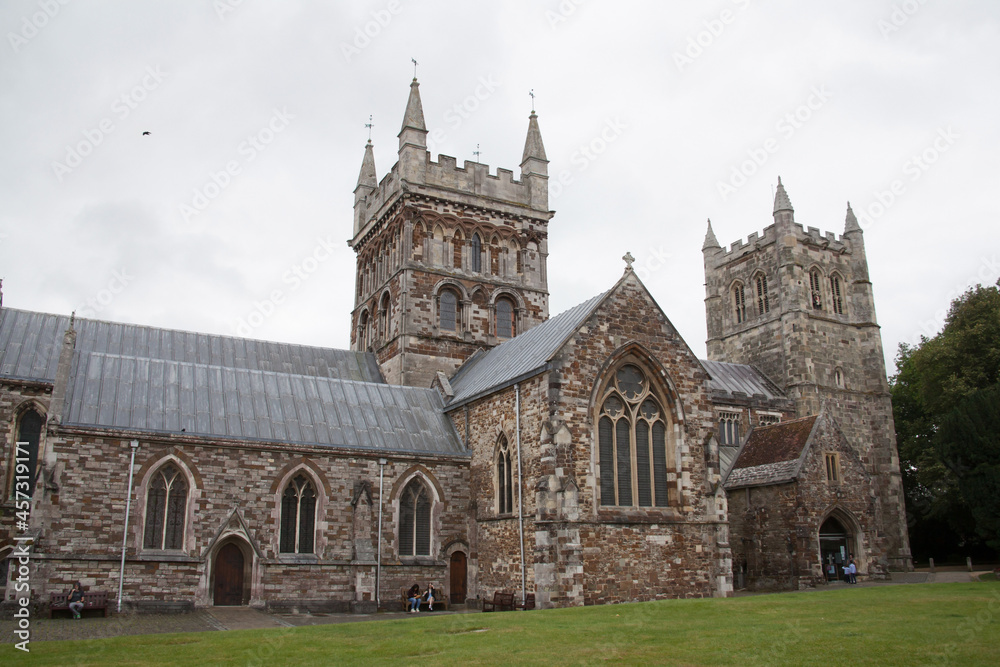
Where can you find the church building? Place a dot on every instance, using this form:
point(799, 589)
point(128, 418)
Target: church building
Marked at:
point(467, 439)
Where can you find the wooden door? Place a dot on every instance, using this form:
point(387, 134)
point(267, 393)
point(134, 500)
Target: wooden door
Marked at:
point(458, 583)
point(229, 576)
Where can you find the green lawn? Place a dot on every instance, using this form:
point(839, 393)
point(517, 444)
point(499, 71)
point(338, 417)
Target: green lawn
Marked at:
point(932, 624)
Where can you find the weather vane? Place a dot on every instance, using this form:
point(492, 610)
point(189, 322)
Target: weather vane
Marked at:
point(477, 153)
point(414, 61)
point(532, 94)
point(369, 126)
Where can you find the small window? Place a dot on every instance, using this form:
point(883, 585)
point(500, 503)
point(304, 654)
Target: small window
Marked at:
point(449, 310)
point(415, 520)
point(763, 306)
point(505, 319)
point(815, 289)
point(166, 509)
point(740, 303)
point(838, 378)
point(476, 254)
point(504, 478)
point(298, 517)
point(836, 300)
point(767, 418)
point(832, 467)
point(729, 428)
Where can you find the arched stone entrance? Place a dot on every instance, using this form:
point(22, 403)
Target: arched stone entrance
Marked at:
point(229, 576)
point(836, 547)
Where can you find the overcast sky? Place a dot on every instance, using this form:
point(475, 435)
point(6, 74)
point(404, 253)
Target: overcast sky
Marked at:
point(656, 116)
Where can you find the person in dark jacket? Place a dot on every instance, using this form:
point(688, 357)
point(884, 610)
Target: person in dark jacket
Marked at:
point(76, 600)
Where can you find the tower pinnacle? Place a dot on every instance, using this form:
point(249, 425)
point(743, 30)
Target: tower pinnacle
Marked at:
point(710, 240)
point(781, 200)
point(851, 223)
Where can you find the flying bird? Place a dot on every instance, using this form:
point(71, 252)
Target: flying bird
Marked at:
point(146, 133)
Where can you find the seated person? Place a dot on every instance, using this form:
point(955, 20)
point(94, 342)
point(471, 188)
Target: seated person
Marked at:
point(413, 595)
point(76, 600)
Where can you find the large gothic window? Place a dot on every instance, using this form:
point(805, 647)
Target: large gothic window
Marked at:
point(740, 303)
point(632, 442)
point(29, 431)
point(166, 509)
point(415, 520)
point(504, 478)
point(298, 517)
point(505, 319)
point(448, 305)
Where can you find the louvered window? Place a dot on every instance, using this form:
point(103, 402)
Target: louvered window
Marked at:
point(415, 520)
point(632, 443)
point(837, 301)
point(763, 306)
point(166, 510)
point(298, 517)
point(740, 303)
point(816, 289)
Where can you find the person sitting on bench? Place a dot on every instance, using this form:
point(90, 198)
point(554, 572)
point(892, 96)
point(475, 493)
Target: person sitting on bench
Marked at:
point(76, 600)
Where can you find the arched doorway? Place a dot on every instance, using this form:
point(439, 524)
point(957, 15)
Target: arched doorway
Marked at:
point(458, 571)
point(229, 572)
point(835, 548)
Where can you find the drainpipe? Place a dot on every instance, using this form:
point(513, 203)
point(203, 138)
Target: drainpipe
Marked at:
point(378, 560)
point(128, 506)
point(520, 506)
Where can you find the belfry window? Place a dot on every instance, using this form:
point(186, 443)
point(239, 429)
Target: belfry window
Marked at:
point(415, 520)
point(166, 509)
point(762, 302)
point(836, 300)
point(632, 442)
point(816, 289)
point(739, 301)
point(504, 478)
point(475, 254)
point(505, 319)
point(448, 310)
point(298, 517)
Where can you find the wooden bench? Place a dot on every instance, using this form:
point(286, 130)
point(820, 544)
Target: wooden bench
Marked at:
point(439, 603)
point(502, 601)
point(96, 600)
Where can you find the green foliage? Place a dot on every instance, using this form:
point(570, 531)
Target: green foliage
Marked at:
point(933, 379)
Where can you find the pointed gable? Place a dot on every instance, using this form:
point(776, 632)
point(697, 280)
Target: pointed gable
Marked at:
point(772, 454)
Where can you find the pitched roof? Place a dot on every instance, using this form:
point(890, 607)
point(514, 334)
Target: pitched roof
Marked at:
point(772, 454)
point(728, 379)
point(520, 357)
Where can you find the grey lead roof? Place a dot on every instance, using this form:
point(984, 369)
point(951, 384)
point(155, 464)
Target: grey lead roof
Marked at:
point(519, 357)
point(163, 381)
point(30, 344)
point(727, 378)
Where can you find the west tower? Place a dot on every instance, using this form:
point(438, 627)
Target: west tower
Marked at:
point(449, 259)
point(798, 305)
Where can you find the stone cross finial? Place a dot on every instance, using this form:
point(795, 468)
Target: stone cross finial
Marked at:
point(628, 260)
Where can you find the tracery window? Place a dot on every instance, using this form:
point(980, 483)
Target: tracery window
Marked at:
point(816, 289)
point(415, 520)
point(505, 319)
point(739, 301)
point(448, 310)
point(729, 428)
point(298, 517)
point(504, 478)
point(763, 305)
point(29, 430)
point(632, 442)
point(836, 299)
point(166, 509)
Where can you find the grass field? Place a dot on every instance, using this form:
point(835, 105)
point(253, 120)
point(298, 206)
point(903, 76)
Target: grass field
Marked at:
point(931, 624)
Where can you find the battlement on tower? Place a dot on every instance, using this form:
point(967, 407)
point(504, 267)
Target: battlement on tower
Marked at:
point(807, 236)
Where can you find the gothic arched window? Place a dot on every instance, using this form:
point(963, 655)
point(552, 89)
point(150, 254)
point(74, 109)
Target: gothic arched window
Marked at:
point(415, 520)
point(448, 310)
point(763, 304)
point(632, 433)
point(504, 478)
point(505, 319)
point(816, 289)
point(740, 303)
point(298, 517)
point(475, 254)
point(836, 298)
point(166, 509)
point(29, 430)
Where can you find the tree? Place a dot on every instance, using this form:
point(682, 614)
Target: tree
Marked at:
point(932, 379)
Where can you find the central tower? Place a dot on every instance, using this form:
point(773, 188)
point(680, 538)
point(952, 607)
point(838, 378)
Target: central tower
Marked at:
point(449, 259)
